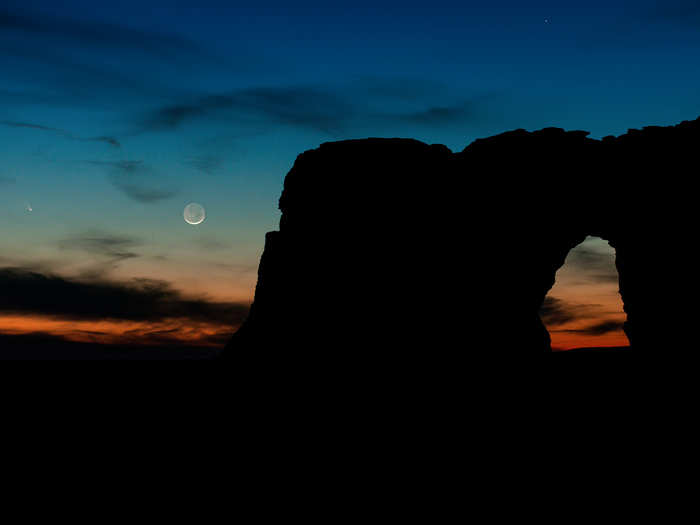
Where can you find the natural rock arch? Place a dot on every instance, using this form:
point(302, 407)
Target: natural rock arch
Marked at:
point(406, 247)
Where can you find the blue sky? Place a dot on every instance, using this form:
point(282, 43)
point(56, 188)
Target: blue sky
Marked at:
point(114, 116)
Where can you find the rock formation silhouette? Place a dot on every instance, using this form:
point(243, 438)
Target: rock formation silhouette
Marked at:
point(392, 250)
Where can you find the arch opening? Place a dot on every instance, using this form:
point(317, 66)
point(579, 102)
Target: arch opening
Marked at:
point(584, 308)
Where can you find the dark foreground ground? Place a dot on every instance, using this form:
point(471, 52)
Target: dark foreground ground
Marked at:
point(38, 347)
point(619, 349)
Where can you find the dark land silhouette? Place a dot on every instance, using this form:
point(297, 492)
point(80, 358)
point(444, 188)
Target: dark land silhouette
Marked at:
point(392, 250)
point(43, 347)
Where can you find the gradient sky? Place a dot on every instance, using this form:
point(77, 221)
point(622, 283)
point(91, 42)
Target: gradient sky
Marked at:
point(114, 117)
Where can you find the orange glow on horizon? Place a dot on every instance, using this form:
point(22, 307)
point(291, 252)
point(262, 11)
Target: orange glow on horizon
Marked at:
point(191, 333)
point(166, 332)
point(591, 313)
point(562, 341)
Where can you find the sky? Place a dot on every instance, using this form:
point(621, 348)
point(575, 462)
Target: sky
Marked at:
point(113, 117)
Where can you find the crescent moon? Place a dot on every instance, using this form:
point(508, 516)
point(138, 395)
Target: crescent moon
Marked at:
point(195, 214)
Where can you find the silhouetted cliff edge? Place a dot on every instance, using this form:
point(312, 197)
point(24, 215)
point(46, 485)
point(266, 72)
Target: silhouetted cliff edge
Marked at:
point(392, 249)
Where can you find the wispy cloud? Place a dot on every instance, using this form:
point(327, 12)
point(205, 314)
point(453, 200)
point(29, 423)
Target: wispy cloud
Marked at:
point(412, 89)
point(94, 33)
point(102, 252)
point(436, 115)
point(142, 194)
point(557, 312)
point(208, 164)
point(210, 244)
point(102, 244)
point(594, 261)
point(112, 141)
point(63, 78)
point(305, 107)
point(135, 179)
point(127, 166)
point(73, 62)
point(330, 110)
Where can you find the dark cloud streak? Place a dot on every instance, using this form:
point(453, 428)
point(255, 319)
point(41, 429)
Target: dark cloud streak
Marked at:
point(557, 312)
point(601, 328)
point(112, 141)
point(327, 110)
point(438, 116)
point(205, 163)
point(28, 292)
point(297, 106)
point(115, 247)
point(141, 193)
